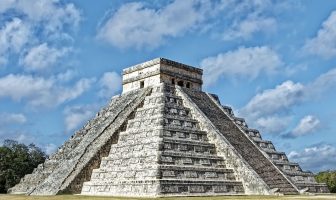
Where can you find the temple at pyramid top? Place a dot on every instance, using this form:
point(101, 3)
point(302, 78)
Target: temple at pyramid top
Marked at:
point(161, 70)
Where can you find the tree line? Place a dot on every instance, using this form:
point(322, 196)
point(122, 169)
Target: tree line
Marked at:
point(16, 160)
point(328, 177)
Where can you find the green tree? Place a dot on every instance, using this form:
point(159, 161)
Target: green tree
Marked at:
point(16, 160)
point(328, 177)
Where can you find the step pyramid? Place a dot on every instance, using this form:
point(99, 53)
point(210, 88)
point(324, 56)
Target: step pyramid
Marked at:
point(164, 136)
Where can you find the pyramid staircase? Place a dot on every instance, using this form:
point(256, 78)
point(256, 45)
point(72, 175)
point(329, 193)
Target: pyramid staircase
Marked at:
point(162, 152)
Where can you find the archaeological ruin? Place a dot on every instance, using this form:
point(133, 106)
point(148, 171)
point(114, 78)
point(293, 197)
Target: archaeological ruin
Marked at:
point(164, 136)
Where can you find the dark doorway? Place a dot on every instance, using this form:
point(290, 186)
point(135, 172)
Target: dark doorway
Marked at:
point(180, 83)
point(188, 85)
point(173, 81)
point(142, 84)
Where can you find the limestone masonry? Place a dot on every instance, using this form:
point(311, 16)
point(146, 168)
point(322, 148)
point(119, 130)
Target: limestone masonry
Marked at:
point(164, 136)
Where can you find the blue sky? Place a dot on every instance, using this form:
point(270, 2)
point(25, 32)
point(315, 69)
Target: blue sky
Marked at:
point(274, 62)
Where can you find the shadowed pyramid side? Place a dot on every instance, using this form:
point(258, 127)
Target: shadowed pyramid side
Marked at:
point(264, 167)
point(303, 180)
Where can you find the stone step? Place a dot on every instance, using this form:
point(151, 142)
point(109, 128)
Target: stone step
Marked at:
point(298, 173)
point(169, 186)
point(188, 146)
point(166, 98)
point(154, 109)
point(282, 162)
point(240, 121)
point(129, 161)
point(179, 133)
point(186, 158)
point(124, 174)
point(148, 171)
point(134, 134)
point(185, 130)
point(132, 151)
point(221, 168)
point(140, 123)
point(228, 110)
point(253, 133)
point(188, 142)
point(160, 119)
point(272, 151)
point(184, 118)
point(174, 122)
point(160, 109)
point(196, 173)
point(313, 187)
point(265, 145)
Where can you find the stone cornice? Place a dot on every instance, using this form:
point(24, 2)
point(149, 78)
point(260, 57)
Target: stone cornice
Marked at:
point(162, 61)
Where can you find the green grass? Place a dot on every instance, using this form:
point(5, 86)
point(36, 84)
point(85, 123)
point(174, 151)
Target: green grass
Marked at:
point(79, 197)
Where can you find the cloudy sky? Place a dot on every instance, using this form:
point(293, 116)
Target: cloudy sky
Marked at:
point(274, 62)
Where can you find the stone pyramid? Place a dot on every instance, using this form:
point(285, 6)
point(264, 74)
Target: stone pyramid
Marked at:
point(163, 136)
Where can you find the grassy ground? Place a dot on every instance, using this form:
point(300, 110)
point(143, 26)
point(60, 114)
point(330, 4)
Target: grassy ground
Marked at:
point(79, 197)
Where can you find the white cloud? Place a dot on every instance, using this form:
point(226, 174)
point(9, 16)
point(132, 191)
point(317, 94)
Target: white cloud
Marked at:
point(307, 124)
point(12, 118)
point(5, 4)
point(268, 105)
point(59, 94)
point(324, 82)
point(141, 25)
point(135, 25)
point(40, 91)
point(110, 84)
point(246, 28)
point(43, 56)
point(245, 62)
point(324, 43)
point(288, 94)
point(245, 19)
point(35, 22)
point(53, 15)
point(273, 124)
point(274, 100)
point(317, 158)
point(66, 76)
point(13, 36)
point(75, 116)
